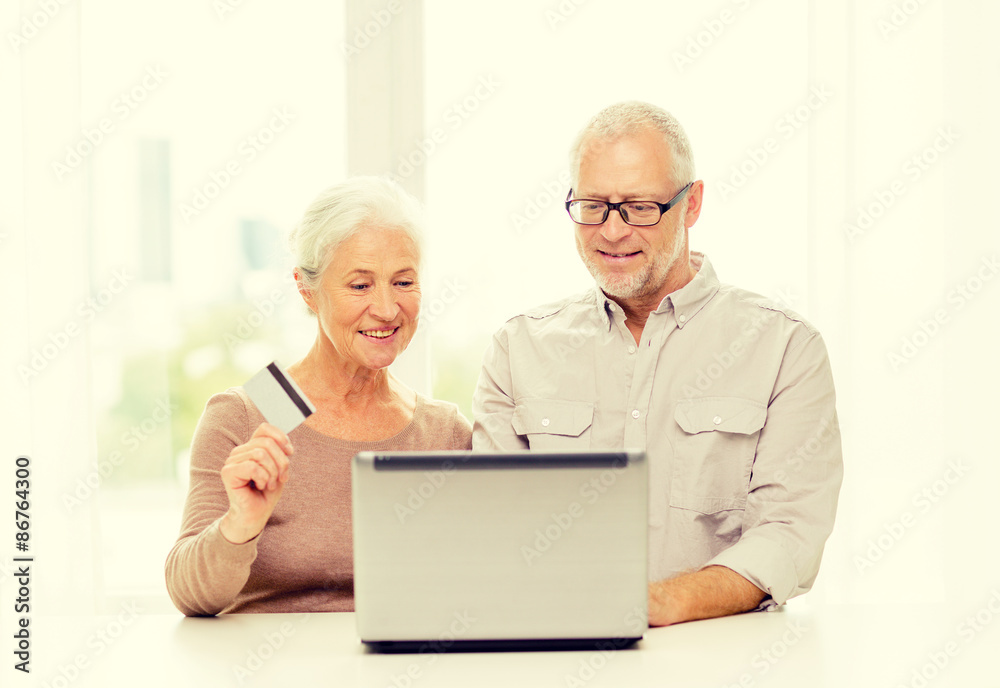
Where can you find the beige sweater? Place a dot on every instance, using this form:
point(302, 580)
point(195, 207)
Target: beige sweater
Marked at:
point(303, 559)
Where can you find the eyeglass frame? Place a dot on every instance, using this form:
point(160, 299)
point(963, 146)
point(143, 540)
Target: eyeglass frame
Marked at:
point(608, 207)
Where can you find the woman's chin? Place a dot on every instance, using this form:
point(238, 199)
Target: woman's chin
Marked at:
point(379, 360)
point(377, 354)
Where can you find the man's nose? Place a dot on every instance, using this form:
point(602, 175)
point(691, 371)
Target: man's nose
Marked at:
point(615, 227)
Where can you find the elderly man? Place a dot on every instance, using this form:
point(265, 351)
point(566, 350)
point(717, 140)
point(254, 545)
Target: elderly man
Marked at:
point(730, 394)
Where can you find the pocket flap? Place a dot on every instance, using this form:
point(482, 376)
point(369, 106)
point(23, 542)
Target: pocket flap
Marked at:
point(552, 417)
point(726, 414)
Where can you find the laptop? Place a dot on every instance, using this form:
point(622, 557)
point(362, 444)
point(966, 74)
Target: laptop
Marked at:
point(481, 551)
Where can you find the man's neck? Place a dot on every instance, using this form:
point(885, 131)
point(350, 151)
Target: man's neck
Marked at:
point(637, 309)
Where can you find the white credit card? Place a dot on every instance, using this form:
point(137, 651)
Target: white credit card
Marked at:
point(278, 398)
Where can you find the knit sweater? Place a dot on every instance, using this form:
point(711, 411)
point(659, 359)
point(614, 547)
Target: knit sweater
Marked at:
point(303, 559)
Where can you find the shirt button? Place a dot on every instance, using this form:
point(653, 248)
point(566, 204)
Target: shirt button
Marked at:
point(717, 420)
point(635, 413)
point(631, 349)
point(681, 318)
point(545, 422)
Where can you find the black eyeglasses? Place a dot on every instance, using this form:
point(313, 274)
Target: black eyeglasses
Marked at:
point(588, 211)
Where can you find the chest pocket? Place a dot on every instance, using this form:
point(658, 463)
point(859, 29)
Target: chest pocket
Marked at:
point(714, 453)
point(554, 423)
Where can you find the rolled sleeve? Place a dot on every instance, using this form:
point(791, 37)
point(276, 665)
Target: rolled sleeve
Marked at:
point(207, 572)
point(795, 480)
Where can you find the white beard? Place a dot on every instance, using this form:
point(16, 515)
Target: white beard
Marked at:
point(648, 279)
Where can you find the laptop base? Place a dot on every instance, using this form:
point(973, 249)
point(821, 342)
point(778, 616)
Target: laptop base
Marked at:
point(504, 645)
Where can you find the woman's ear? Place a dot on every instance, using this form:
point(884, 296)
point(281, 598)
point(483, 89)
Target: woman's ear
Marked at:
point(307, 293)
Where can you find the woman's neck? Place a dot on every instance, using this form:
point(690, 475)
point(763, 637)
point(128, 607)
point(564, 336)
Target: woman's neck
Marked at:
point(329, 376)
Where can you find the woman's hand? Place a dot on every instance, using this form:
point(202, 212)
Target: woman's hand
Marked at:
point(254, 475)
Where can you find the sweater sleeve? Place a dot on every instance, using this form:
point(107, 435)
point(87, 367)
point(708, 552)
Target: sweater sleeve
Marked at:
point(462, 436)
point(204, 571)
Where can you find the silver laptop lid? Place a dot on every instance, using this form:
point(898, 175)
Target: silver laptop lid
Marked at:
point(526, 545)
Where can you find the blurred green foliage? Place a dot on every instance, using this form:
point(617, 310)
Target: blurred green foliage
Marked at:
point(183, 378)
point(454, 374)
point(156, 381)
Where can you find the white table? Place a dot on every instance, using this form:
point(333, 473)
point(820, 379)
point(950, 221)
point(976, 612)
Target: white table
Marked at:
point(800, 645)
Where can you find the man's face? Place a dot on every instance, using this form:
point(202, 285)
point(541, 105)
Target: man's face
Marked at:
point(633, 262)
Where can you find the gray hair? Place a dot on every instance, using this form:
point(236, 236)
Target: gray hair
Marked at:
point(629, 117)
point(343, 210)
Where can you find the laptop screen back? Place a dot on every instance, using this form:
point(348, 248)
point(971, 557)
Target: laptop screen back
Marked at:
point(522, 545)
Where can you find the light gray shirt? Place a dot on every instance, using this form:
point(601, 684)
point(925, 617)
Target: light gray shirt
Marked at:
point(730, 395)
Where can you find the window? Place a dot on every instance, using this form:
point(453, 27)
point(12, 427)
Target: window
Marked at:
point(222, 123)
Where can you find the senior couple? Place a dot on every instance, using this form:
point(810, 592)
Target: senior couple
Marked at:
point(744, 474)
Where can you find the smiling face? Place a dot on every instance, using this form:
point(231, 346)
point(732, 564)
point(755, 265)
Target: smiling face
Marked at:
point(635, 263)
point(368, 299)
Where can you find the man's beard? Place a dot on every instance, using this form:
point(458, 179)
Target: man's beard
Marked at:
point(626, 286)
point(648, 279)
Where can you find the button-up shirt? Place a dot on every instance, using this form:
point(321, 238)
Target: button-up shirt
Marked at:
point(730, 395)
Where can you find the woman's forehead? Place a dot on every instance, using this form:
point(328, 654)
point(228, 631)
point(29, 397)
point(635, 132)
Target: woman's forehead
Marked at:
point(377, 250)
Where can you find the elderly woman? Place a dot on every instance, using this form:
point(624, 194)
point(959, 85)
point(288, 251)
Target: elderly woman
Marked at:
point(267, 523)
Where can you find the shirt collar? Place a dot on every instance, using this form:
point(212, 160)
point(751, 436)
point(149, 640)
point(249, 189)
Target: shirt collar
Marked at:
point(688, 301)
point(605, 305)
point(685, 303)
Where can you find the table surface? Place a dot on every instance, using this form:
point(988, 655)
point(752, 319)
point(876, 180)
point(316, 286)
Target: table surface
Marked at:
point(799, 645)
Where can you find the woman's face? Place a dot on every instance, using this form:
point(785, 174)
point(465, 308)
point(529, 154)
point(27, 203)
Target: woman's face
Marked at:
point(368, 299)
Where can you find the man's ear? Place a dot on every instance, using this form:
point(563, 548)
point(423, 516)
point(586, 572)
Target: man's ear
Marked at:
point(693, 199)
point(308, 295)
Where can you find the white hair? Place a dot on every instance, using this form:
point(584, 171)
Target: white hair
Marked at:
point(343, 210)
point(629, 117)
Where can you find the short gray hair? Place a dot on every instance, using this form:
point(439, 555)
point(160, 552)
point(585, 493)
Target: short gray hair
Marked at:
point(629, 117)
point(341, 211)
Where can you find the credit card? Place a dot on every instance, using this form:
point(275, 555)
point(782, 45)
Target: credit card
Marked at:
point(278, 398)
